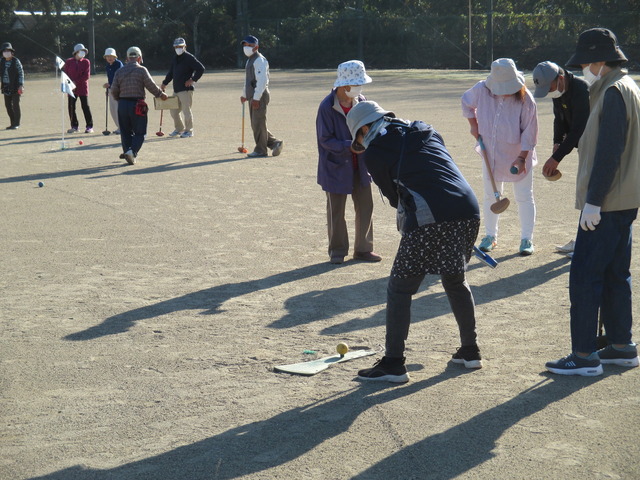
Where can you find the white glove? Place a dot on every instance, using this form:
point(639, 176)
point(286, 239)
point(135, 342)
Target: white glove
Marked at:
point(590, 217)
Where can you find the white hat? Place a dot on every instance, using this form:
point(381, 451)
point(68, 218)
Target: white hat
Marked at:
point(351, 73)
point(504, 78)
point(134, 52)
point(79, 47)
point(110, 51)
point(364, 113)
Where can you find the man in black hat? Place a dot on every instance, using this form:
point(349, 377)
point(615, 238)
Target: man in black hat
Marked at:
point(256, 91)
point(608, 195)
point(12, 84)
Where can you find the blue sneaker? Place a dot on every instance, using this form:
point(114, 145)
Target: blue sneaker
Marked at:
point(526, 247)
point(627, 357)
point(488, 243)
point(575, 365)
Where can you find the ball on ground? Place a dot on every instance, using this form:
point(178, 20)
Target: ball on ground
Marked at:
point(41, 184)
point(81, 142)
point(342, 348)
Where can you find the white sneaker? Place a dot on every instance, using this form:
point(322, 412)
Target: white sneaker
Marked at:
point(187, 134)
point(567, 247)
point(174, 133)
point(130, 157)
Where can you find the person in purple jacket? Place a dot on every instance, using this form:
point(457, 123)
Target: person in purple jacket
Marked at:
point(78, 68)
point(340, 170)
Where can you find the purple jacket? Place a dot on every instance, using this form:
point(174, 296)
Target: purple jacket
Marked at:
point(335, 167)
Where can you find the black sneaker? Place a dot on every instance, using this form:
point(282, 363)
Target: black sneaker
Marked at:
point(627, 357)
point(386, 370)
point(469, 355)
point(574, 365)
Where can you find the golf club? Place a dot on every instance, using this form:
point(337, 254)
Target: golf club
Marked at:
point(106, 113)
point(242, 149)
point(160, 133)
point(501, 204)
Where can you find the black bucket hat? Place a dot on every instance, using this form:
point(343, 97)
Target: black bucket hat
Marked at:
point(7, 46)
point(596, 45)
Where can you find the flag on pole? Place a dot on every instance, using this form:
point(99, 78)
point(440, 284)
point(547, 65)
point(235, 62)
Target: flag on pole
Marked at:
point(67, 86)
point(59, 63)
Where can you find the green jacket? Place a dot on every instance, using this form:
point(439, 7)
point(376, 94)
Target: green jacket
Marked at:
point(624, 192)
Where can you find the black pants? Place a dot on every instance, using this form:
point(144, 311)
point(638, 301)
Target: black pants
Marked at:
point(12, 102)
point(84, 101)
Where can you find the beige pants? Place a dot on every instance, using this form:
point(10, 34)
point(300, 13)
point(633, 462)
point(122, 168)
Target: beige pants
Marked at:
point(337, 226)
point(113, 109)
point(184, 122)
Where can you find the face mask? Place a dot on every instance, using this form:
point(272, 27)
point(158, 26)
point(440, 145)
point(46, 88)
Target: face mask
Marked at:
point(589, 76)
point(6, 54)
point(556, 94)
point(81, 54)
point(354, 92)
point(179, 51)
point(248, 51)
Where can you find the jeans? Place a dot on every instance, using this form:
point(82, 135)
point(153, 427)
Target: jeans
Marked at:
point(600, 281)
point(399, 293)
point(133, 127)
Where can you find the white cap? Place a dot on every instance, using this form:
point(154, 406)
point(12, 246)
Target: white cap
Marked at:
point(110, 51)
point(134, 52)
point(351, 73)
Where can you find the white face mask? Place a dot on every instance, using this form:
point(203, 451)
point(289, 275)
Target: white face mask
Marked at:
point(179, 51)
point(354, 92)
point(6, 54)
point(248, 51)
point(81, 54)
point(556, 94)
point(589, 76)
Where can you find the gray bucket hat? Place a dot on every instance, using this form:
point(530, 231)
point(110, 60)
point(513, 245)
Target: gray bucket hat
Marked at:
point(596, 45)
point(364, 113)
point(543, 75)
point(79, 47)
point(7, 46)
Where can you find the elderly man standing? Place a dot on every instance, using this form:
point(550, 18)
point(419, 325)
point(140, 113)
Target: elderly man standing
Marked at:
point(256, 90)
point(340, 171)
point(608, 195)
point(185, 71)
point(127, 88)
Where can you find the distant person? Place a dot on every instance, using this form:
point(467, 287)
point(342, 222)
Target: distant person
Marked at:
point(113, 64)
point(128, 87)
point(570, 96)
point(185, 71)
point(438, 217)
point(340, 171)
point(78, 68)
point(503, 112)
point(12, 84)
point(608, 196)
point(256, 92)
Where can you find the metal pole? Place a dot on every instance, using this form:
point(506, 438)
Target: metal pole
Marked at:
point(92, 39)
point(490, 34)
point(469, 34)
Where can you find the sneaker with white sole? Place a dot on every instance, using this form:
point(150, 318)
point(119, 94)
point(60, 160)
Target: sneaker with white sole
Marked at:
point(130, 157)
point(574, 365)
point(469, 355)
point(567, 247)
point(88, 130)
point(488, 243)
point(73, 130)
point(386, 370)
point(526, 247)
point(175, 133)
point(186, 134)
point(277, 148)
point(627, 357)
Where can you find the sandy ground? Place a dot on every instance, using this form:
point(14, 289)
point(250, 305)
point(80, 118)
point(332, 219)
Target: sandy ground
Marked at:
point(144, 307)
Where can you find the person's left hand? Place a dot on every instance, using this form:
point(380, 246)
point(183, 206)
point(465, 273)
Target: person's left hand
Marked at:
point(550, 167)
point(255, 104)
point(163, 96)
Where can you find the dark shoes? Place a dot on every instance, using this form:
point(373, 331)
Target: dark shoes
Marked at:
point(469, 355)
point(627, 357)
point(337, 260)
point(575, 365)
point(277, 148)
point(367, 256)
point(386, 369)
point(256, 155)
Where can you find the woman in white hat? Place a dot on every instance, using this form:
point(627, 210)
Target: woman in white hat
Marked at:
point(113, 64)
point(503, 112)
point(78, 68)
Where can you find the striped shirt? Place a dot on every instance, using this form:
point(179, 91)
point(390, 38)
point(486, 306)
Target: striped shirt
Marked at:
point(131, 80)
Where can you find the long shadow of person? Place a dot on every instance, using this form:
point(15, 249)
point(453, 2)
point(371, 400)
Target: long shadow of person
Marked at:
point(208, 299)
point(259, 446)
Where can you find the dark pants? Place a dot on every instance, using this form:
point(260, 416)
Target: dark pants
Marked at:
point(84, 101)
point(399, 293)
point(12, 102)
point(600, 282)
point(133, 127)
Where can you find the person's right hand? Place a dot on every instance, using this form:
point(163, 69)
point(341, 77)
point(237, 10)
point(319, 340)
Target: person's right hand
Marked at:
point(106, 85)
point(162, 86)
point(163, 96)
point(550, 167)
point(474, 131)
point(243, 99)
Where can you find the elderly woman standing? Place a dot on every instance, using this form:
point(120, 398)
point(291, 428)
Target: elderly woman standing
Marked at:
point(503, 112)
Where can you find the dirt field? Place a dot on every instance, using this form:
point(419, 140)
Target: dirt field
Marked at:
point(144, 307)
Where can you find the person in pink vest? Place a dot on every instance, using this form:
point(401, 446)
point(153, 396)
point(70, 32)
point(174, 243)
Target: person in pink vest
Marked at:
point(78, 68)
